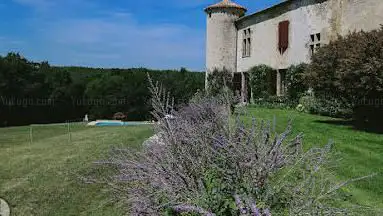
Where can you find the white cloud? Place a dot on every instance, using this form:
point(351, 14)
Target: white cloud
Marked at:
point(52, 6)
point(9, 41)
point(64, 33)
point(119, 41)
point(37, 4)
point(187, 3)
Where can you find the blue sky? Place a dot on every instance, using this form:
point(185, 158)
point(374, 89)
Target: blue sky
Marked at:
point(163, 34)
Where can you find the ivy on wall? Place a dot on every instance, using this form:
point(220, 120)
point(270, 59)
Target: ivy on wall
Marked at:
point(262, 81)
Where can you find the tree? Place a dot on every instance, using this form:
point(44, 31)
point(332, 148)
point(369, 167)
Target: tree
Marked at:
point(218, 80)
point(350, 70)
point(262, 81)
point(33, 92)
point(295, 83)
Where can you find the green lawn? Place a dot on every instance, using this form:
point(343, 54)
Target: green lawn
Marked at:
point(41, 174)
point(361, 152)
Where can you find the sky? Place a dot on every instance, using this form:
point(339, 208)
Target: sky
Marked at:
point(158, 34)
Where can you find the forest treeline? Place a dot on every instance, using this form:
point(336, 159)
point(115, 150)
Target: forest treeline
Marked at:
point(40, 93)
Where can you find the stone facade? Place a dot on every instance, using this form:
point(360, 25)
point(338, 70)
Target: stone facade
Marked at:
point(311, 24)
point(221, 41)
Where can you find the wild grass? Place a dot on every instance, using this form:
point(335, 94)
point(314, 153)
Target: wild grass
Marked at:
point(44, 176)
point(359, 152)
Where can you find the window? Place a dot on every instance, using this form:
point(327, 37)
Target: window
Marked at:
point(246, 44)
point(312, 38)
point(315, 42)
point(283, 36)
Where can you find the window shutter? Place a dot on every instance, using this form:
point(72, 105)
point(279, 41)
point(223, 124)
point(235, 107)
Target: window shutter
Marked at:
point(283, 31)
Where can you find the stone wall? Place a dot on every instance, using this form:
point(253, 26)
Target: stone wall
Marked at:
point(361, 15)
point(327, 17)
point(305, 18)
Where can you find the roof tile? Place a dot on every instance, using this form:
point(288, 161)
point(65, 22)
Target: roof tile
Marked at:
point(226, 4)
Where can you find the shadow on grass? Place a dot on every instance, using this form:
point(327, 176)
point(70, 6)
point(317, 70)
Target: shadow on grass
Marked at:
point(377, 129)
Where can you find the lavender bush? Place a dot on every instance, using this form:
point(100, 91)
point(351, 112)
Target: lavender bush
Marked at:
point(205, 162)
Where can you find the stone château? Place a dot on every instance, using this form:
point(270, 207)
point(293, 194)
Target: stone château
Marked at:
point(285, 34)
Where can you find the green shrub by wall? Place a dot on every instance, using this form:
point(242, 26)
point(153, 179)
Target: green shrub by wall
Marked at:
point(262, 81)
point(263, 86)
point(295, 83)
point(350, 70)
point(324, 106)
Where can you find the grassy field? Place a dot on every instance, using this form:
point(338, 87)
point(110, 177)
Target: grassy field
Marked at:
point(41, 170)
point(361, 152)
point(41, 174)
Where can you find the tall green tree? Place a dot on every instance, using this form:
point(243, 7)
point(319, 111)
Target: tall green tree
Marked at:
point(350, 70)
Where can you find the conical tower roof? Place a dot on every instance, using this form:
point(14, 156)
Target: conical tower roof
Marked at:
point(225, 4)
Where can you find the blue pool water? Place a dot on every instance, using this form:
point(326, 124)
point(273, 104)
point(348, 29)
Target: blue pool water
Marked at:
point(106, 123)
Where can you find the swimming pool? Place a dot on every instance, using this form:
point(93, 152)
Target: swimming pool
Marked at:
point(118, 123)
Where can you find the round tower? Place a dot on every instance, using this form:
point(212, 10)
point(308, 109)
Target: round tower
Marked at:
point(221, 35)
